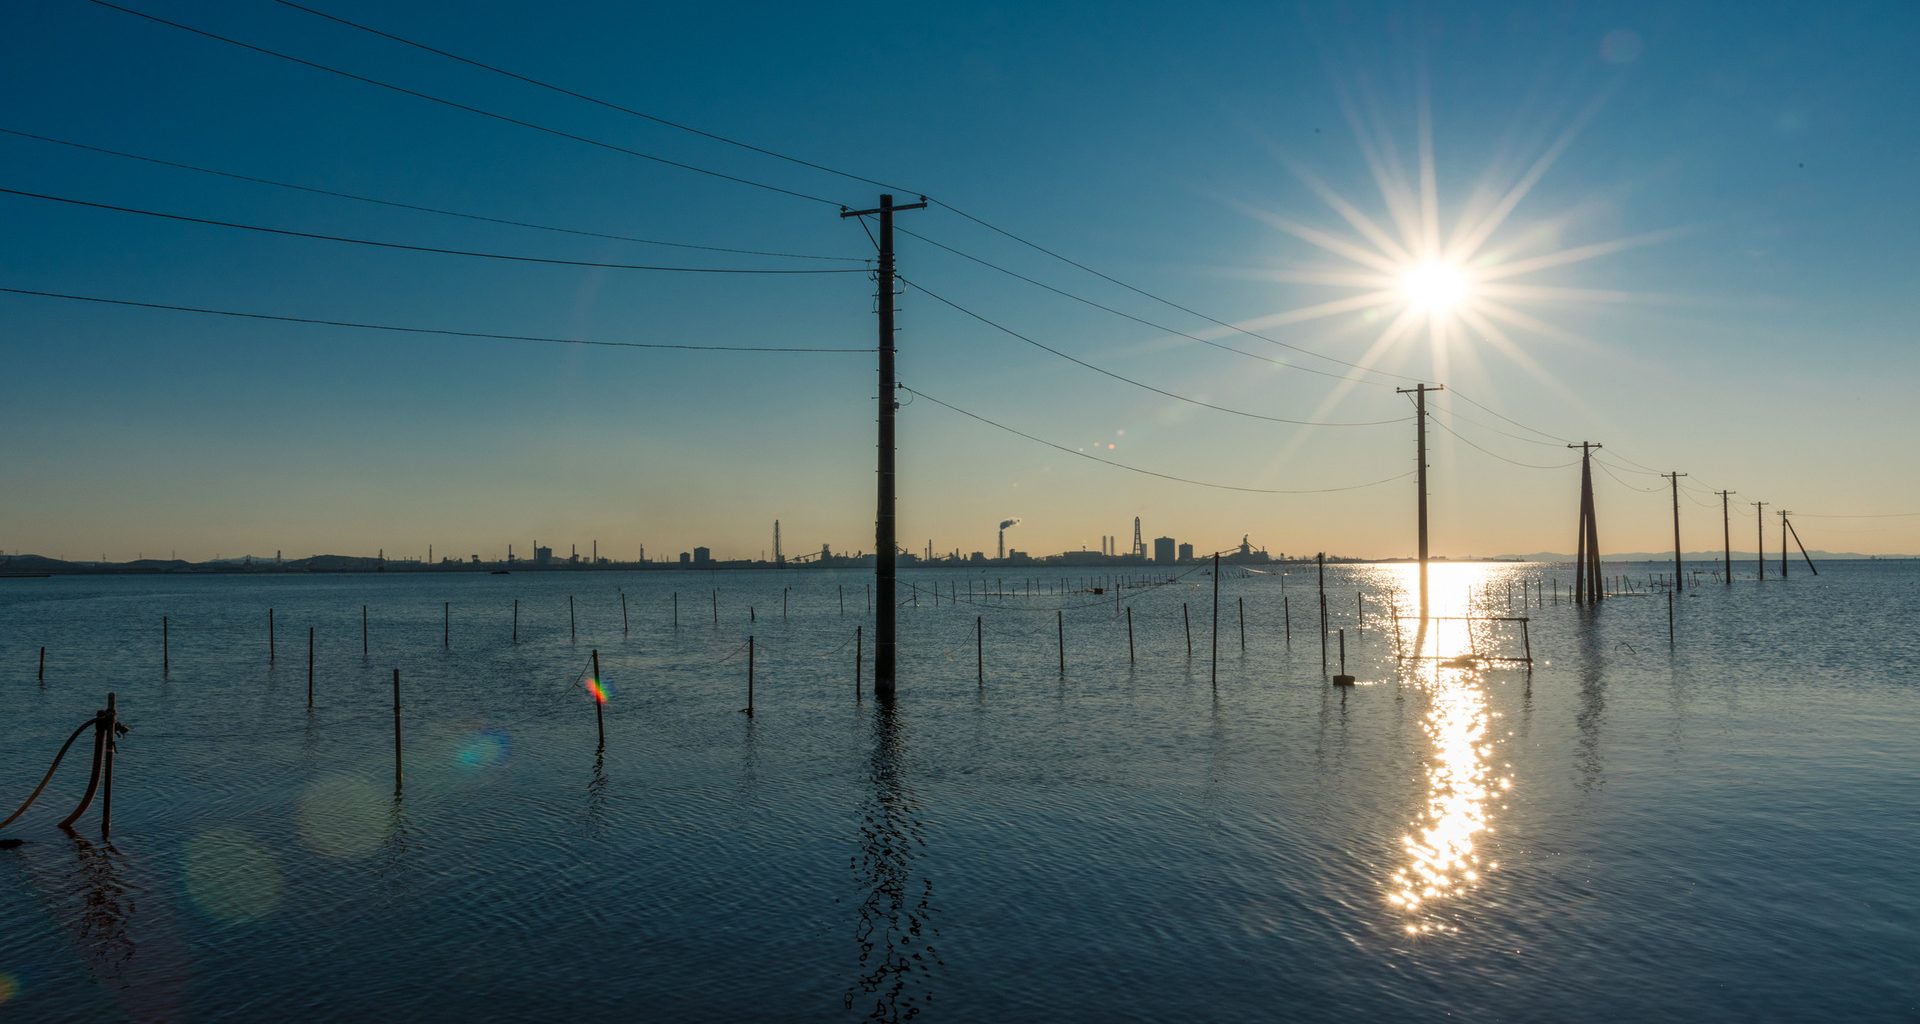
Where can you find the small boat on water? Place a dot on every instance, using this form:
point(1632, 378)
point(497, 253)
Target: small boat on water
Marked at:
point(500, 572)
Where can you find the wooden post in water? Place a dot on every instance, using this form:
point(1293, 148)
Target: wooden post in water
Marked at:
point(748, 710)
point(869, 597)
point(106, 771)
point(1243, 625)
point(1213, 666)
point(43, 664)
point(599, 700)
point(1360, 608)
point(1526, 642)
point(1343, 679)
point(859, 652)
point(309, 667)
point(363, 626)
point(1669, 618)
point(1323, 607)
point(270, 645)
point(166, 648)
point(786, 592)
point(623, 613)
point(716, 607)
point(843, 599)
point(979, 653)
point(1060, 625)
point(676, 609)
point(516, 620)
point(1129, 634)
point(1186, 622)
point(446, 624)
point(1286, 612)
point(573, 625)
point(398, 774)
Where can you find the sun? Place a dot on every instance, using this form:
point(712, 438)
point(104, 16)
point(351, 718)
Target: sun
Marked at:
point(1435, 287)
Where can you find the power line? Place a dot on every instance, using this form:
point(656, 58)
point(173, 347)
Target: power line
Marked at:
point(280, 318)
point(608, 104)
point(1486, 451)
point(1139, 384)
point(1037, 247)
point(403, 90)
point(436, 250)
point(1459, 417)
point(1136, 469)
point(1129, 316)
point(413, 206)
point(1616, 479)
point(1862, 515)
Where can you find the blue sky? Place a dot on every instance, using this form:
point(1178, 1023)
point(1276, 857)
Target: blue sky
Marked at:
point(1754, 334)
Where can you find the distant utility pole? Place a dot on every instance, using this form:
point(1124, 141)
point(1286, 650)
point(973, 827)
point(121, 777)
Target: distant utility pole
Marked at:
point(1802, 547)
point(1726, 535)
point(884, 547)
point(1675, 477)
point(1586, 563)
point(1783, 541)
point(1760, 533)
point(1419, 392)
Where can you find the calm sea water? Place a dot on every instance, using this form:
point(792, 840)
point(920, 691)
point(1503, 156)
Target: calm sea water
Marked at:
point(1727, 829)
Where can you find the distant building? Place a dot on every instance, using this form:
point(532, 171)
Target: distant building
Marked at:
point(702, 556)
point(1186, 552)
point(542, 556)
point(685, 558)
point(1163, 550)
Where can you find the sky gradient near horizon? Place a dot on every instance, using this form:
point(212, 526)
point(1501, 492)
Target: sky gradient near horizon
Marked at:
point(1711, 241)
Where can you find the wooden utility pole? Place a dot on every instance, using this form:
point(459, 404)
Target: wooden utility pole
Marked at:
point(1726, 535)
point(1802, 547)
point(1678, 581)
point(1419, 392)
point(1783, 513)
point(1760, 532)
point(1586, 563)
point(884, 548)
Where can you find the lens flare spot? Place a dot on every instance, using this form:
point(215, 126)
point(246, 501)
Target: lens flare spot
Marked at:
point(487, 749)
point(9, 987)
point(343, 817)
point(230, 877)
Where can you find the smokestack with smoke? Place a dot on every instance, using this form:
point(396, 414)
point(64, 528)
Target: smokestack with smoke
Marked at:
point(1004, 523)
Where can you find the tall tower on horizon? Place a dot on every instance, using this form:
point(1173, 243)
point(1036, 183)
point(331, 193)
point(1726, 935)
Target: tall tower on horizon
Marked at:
point(1139, 546)
point(778, 558)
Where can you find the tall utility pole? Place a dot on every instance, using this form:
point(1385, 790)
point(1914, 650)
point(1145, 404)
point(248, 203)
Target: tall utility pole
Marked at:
point(1586, 563)
point(1726, 535)
point(1678, 584)
point(1783, 542)
point(1760, 533)
point(884, 548)
point(1419, 393)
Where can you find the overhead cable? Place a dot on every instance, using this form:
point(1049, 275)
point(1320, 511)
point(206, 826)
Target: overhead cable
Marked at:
point(423, 209)
point(455, 104)
point(610, 105)
point(1146, 472)
point(1140, 384)
point(419, 330)
point(436, 250)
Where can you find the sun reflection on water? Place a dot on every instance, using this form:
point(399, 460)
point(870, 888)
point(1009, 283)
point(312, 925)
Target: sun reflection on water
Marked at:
point(1443, 860)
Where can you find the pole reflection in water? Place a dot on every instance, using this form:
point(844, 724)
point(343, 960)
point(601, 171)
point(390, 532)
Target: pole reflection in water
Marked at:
point(895, 933)
point(596, 812)
point(1593, 705)
point(137, 959)
point(1442, 862)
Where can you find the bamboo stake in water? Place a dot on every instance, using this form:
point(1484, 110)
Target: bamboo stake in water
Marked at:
point(309, 667)
point(398, 774)
point(516, 620)
point(843, 599)
point(748, 710)
point(979, 654)
point(1669, 618)
point(1060, 626)
point(43, 664)
point(1286, 612)
point(1243, 625)
point(166, 648)
point(1129, 634)
point(1186, 622)
point(363, 627)
point(599, 701)
point(446, 624)
point(859, 652)
point(270, 650)
point(573, 626)
point(623, 613)
point(716, 607)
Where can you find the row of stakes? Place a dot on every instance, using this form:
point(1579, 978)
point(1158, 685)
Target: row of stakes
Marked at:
point(108, 727)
